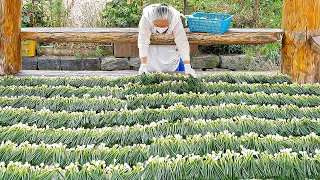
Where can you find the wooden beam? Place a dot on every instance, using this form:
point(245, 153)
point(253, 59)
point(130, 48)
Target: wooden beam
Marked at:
point(300, 22)
point(315, 44)
point(130, 36)
point(10, 43)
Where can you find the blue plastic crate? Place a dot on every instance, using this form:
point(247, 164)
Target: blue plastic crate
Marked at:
point(208, 22)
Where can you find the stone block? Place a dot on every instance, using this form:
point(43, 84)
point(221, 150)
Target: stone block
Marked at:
point(134, 63)
point(71, 64)
point(49, 63)
point(112, 63)
point(91, 64)
point(234, 62)
point(209, 61)
point(29, 63)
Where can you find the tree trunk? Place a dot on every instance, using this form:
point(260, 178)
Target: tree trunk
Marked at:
point(10, 43)
point(300, 22)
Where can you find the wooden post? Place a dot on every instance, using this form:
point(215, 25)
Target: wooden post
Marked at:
point(300, 22)
point(10, 43)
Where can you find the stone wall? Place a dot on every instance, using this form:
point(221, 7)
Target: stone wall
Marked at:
point(209, 61)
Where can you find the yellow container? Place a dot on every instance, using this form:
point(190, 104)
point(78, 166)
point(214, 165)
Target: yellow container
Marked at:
point(28, 48)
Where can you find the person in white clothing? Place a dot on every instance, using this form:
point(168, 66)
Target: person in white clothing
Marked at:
point(163, 19)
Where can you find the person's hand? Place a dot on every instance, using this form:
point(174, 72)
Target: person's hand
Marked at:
point(188, 70)
point(143, 69)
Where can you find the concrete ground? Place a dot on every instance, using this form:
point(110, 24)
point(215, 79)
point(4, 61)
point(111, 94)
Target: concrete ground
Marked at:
point(113, 74)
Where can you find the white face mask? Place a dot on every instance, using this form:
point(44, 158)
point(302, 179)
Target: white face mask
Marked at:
point(161, 30)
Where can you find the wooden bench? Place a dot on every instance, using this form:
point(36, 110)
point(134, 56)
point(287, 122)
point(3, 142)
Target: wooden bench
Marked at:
point(125, 39)
point(130, 36)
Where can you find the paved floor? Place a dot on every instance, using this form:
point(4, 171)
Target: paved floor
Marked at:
point(111, 74)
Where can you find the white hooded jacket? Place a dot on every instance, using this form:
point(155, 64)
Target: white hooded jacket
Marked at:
point(162, 58)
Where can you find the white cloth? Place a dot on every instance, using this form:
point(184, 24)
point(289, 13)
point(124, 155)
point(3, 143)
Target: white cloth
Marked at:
point(162, 58)
point(143, 69)
point(189, 70)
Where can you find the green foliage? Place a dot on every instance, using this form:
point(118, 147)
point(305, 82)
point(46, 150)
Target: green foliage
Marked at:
point(171, 145)
point(189, 99)
point(155, 101)
point(90, 119)
point(98, 52)
point(271, 51)
point(214, 126)
point(202, 144)
point(64, 104)
point(43, 13)
point(129, 135)
point(248, 14)
point(164, 87)
point(55, 13)
point(155, 78)
point(121, 14)
point(217, 165)
point(267, 14)
point(78, 55)
point(32, 14)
